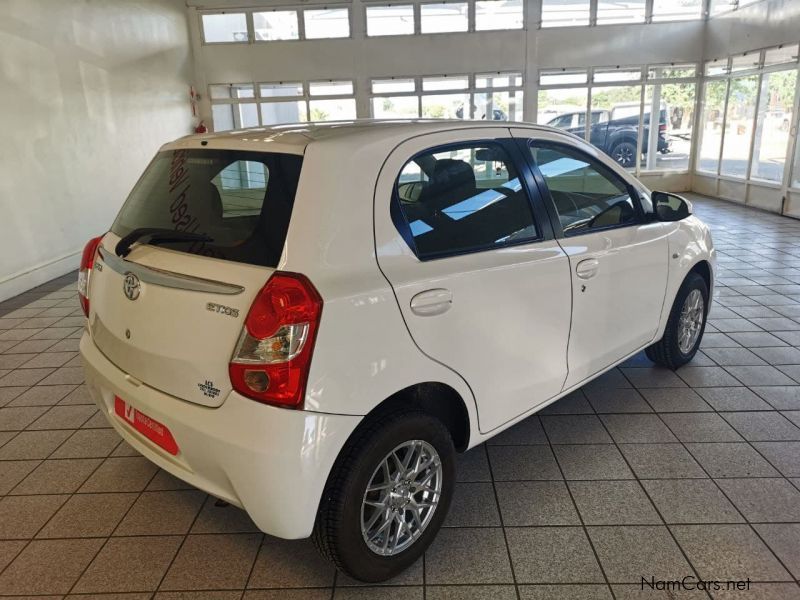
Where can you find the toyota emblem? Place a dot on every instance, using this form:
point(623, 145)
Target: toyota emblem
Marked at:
point(131, 286)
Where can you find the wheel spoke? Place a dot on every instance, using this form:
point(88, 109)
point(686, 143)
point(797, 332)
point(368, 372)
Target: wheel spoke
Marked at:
point(374, 519)
point(380, 486)
point(401, 497)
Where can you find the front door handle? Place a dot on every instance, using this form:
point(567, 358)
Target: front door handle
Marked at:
point(586, 269)
point(432, 302)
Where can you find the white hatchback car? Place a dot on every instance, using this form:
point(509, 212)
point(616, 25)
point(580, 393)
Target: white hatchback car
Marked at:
point(309, 321)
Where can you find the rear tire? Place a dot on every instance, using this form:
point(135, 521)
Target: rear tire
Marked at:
point(349, 519)
point(685, 325)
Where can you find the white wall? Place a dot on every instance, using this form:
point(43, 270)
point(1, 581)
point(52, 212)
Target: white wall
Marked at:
point(759, 25)
point(89, 89)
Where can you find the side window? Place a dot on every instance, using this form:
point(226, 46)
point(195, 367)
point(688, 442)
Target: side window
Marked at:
point(463, 198)
point(241, 187)
point(587, 195)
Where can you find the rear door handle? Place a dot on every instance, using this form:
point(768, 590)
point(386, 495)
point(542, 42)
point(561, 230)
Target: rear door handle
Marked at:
point(432, 302)
point(586, 269)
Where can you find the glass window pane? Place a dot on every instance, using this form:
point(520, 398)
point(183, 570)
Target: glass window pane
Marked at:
point(796, 168)
point(276, 90)
point(330, 88)
point(587, 194)
point(445, 106)
point(780, 55)
point(499, 106)
point(464, 199)
point(498, 14)
point(615, 122)
point(276, 25)
point(668, 121)
point(327, 23)
point(434, 84)
point(394, 19)
point(565, 13)
point(613, 75)
point(343, 109)
point(744, 62)
point(444, 16)
point(562, 77)
point(222, 117)
point(719, 6)
point(498, 80)
point(716, 67)
point(739, 126)
point(677, 10)
point(671, 71)
point(227, 91)
point(564, 108)
point(292, 111)
point(711, 118)
point(773, 124)
point(620, 11)
point(392, 86)
point(395, 107)
point(224, 27)
point(245, 115)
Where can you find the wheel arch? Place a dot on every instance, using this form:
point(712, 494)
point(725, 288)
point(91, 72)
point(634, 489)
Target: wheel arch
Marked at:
point(437, 399)
point(703, 268)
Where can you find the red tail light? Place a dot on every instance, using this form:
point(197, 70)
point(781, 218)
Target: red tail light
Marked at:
point(87, 263)
point(273, 356)
point(662, 128)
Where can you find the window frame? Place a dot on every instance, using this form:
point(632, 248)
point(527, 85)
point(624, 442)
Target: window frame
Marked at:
point(414, 18)
point(248, 20)
point(544, 190)
point(539, 215)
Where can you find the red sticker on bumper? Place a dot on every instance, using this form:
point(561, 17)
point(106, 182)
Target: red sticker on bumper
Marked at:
point(149, 428)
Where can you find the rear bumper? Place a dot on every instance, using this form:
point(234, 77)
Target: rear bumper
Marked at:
point(272, 462)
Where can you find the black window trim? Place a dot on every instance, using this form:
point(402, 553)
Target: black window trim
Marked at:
point(544, 191)
point(539, 214)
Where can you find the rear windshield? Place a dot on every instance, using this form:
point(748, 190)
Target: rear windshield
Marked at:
point(242, 200)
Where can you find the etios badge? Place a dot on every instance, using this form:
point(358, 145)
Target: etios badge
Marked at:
point(131, 286)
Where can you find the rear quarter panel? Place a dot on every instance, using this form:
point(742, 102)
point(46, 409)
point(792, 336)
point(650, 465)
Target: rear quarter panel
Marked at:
point(364, 352)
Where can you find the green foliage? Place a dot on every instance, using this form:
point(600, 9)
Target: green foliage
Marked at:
point(609, 97)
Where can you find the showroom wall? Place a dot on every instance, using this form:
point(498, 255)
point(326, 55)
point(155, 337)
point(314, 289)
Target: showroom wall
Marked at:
point(90, 89)
point(759, 129)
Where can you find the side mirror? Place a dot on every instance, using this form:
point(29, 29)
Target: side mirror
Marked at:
point(670, 207)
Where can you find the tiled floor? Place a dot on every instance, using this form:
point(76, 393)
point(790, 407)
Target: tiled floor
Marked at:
point(642, 473)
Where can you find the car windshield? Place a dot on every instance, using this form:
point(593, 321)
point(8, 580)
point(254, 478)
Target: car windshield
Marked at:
point(237, 203)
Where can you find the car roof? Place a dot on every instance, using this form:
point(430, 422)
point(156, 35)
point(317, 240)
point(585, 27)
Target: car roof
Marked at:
point(294, 137)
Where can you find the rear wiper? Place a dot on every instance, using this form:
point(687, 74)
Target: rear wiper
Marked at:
point(156, 235)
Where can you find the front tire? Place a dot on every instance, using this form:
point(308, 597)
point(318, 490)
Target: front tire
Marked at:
point(625, 154)
point(387, 495)
point(685, 326)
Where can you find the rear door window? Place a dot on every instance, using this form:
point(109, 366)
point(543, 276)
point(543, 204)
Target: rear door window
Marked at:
point(461, 199)
point(242, 200)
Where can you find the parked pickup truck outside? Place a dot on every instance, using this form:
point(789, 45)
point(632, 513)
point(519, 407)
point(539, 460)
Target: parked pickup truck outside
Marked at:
point(615, 131)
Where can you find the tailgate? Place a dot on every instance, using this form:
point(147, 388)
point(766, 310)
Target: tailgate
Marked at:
point(172, 319)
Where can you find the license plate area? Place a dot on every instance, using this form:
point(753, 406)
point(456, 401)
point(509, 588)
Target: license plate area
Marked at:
point(148, 427)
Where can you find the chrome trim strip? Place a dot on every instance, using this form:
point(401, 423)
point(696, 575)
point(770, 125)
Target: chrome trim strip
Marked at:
point(168, 278)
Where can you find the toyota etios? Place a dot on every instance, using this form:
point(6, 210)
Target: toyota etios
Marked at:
point(309, 321)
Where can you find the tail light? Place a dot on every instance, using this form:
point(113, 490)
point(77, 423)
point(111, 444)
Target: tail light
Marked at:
point(87, 264)
point(273, 356)
point(662, 128)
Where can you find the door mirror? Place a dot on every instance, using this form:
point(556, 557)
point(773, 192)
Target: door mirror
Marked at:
point(670, 207)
